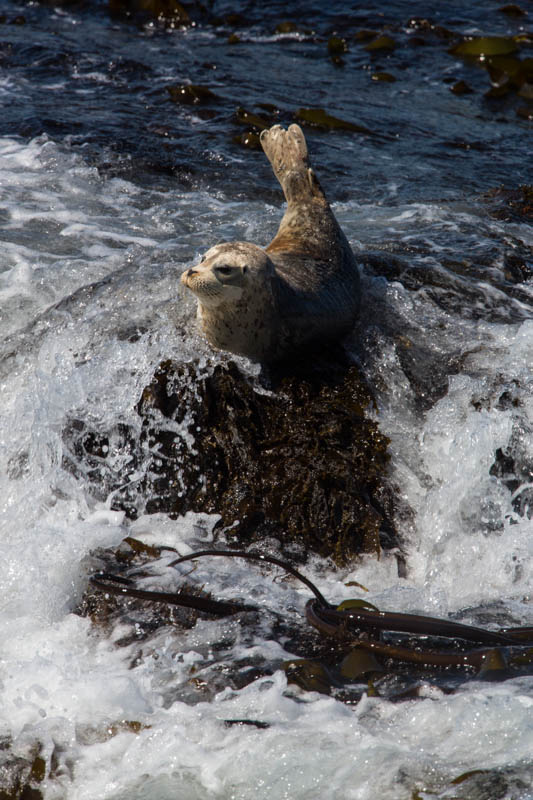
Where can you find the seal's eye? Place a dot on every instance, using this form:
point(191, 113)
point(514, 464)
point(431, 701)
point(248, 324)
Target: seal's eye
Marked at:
point(224, 270)
point(202, 259)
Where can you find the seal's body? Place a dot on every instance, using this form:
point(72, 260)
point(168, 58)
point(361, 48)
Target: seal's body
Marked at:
point(302, 288)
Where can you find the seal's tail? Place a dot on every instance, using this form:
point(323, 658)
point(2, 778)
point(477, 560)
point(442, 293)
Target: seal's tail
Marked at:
point(287, 152)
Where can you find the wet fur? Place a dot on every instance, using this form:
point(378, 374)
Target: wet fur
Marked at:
point(303, 287)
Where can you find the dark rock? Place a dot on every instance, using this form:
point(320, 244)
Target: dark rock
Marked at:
point(299, 459)
point(511, 205)
point(302, 463)
point(21, 775)
point(293, 455)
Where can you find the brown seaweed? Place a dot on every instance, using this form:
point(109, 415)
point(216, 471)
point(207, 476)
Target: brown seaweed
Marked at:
point(346, 622)
point(319, 118)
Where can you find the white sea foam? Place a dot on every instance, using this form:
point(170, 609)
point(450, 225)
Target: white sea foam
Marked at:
point(85, 260)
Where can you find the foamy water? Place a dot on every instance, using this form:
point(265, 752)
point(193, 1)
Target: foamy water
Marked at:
point(89, 300)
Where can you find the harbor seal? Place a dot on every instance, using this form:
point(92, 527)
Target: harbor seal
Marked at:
point(303, 288)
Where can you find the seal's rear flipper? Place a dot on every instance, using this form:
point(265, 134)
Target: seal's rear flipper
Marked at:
point(287, 152)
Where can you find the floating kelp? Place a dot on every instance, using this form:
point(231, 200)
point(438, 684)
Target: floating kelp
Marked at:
point(318, 118)
point(248, 139)
point(512, 10)
point(255, 123)
point(346, 622)
point(480, 784)
point(509, 73)
point(365, 35)
point(498, 55)
point(171, 12)
point(382, 42)
point(337, 45)
point(136, 547)
point(461, 87)
point(360, 663)
point(253, 723)
point(190, 94)
point(483, 46)
point(286, 27)
point(425, 25)
point(311, 676)
point(383, 77)
point(254, 120)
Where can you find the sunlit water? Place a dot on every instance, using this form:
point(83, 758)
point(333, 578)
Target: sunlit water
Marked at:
point(94, 238)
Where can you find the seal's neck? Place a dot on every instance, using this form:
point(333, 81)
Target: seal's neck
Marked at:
point(246, 327)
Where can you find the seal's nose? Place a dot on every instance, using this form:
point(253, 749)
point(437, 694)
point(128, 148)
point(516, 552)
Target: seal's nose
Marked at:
point(186, 275)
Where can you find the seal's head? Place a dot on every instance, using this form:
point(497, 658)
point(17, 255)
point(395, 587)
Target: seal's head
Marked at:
point(227, 272)
point(234, 287)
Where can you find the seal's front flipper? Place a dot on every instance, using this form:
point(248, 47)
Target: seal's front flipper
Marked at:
point(287, 152)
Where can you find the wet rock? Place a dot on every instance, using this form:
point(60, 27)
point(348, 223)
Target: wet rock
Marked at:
point(517, 269)
point(139, 620)
point(295, 456)
point(301, 461)
point(511, 205)
point(145, 626)
point(21, 774)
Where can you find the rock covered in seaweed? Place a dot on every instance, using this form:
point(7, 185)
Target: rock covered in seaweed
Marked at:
point(304, 462)
point(298, 458)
